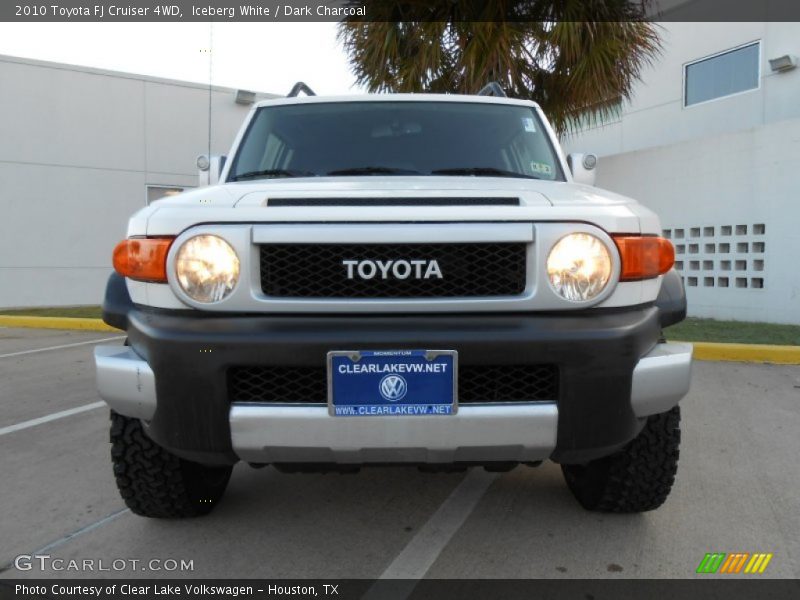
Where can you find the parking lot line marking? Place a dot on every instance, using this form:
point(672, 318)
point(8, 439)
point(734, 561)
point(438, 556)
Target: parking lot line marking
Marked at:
point(422, 551)
point(50, 417)
point(82, 530)
point(100, 341)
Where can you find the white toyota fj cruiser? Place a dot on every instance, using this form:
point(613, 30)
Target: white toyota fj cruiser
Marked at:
point(416, 279)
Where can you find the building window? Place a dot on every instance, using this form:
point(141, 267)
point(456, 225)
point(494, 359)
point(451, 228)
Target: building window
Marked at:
point(721, 75)
point(156, 192)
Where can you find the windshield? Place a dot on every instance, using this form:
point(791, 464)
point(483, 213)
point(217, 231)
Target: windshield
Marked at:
point(396, 138)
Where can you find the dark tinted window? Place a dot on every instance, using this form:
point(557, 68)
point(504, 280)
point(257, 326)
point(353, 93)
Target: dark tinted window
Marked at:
point(722, 75)
point(318, 139)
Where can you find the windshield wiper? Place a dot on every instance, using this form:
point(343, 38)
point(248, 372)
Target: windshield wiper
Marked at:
point(374, 171)
point(478, 171)
point(265, 173)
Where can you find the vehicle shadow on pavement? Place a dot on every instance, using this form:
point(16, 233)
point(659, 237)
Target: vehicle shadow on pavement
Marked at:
point(279, 525)
point(307, 525)
point(529, 525)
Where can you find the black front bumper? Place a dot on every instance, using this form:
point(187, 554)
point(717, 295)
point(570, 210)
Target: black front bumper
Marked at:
point(595, 351)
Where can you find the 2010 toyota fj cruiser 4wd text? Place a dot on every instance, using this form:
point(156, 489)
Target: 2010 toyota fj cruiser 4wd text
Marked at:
point(415, 279)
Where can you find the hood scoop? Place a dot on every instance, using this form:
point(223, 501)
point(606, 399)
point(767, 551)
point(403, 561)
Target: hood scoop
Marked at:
point(393, 201)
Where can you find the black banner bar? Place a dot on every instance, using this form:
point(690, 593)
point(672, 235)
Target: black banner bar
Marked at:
point(405, 10)
point(722, 588)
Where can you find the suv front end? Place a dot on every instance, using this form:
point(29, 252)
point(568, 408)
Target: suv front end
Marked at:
point(550, 296)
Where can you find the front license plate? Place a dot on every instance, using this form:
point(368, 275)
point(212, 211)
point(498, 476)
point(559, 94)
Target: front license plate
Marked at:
point(392, 382)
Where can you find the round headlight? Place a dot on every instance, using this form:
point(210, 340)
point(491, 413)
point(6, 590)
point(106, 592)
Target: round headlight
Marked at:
point(207, 268)
point(579, 267)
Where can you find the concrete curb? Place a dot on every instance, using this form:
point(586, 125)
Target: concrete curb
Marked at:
point(756, 353)
point(55, 323)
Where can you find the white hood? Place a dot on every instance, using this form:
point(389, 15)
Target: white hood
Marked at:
point(539, 200)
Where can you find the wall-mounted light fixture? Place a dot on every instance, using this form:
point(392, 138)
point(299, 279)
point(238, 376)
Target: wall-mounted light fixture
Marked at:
point(245, 97)
point(783, 63)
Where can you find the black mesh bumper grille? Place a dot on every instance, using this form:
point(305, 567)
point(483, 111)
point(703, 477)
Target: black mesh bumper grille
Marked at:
point(507, 383)
point(467, 270)
point(476, 384)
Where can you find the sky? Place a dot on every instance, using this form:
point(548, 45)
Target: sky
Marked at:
point(262, 57)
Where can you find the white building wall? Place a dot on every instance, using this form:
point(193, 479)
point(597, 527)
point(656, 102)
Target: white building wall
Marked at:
point(730, 162)
point(78, 147)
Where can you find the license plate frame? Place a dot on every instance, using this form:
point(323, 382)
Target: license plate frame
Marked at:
point(374, 396)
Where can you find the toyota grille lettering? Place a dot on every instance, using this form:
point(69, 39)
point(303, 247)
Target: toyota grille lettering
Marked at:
point(399, 269)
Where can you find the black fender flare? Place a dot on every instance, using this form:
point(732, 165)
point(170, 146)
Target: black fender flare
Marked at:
point(117, 302)
point(671, 301)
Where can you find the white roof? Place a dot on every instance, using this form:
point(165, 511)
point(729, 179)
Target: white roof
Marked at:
point(397, 98)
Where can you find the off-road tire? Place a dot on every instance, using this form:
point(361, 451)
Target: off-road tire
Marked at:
point(156, 483)
point(639, 477)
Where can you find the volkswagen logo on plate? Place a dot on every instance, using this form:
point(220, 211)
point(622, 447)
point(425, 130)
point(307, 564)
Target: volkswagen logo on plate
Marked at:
point(393, 388)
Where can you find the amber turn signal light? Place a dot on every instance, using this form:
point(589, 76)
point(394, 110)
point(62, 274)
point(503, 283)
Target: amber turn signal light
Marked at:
point(143, 259)
point(644, 257)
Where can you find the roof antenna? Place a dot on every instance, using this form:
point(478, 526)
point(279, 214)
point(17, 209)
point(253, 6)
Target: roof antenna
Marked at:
point(300, 87)
point(492, 89)
point(210, 74)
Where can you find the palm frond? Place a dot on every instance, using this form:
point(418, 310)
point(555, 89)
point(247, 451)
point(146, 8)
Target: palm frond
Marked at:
point(578, 59)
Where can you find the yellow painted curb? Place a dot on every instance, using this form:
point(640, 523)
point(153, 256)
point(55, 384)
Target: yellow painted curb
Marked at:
point(55, 323)
point(757, 353)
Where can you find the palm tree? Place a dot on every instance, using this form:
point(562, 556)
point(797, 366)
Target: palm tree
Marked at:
point(578, 59)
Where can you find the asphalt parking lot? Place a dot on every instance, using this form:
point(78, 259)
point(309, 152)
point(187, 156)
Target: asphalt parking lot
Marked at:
point(738, 490)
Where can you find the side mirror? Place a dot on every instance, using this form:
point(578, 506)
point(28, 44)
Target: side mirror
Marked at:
point(210, 168)
point(583, 167)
